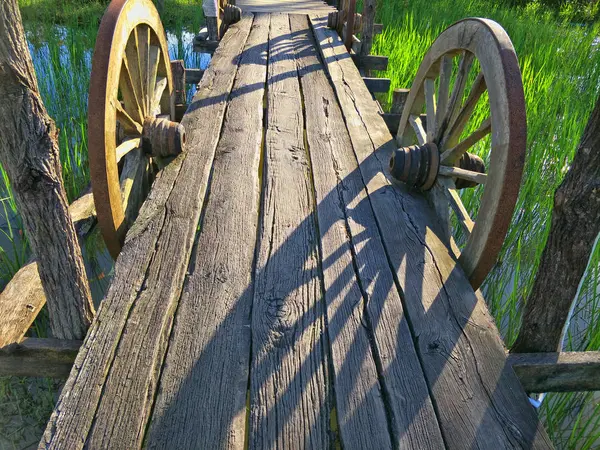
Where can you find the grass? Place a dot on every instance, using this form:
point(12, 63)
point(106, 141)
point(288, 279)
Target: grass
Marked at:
point(560, 66)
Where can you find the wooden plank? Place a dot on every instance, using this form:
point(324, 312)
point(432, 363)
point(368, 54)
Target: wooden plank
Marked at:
point(23, 297)
point(370, 62)
point(193, 76)
point(392, 121)
point(475, 393)
point(363, 305)
point(289, 388)
point(377, 85)
point(124, 348)
point(204, 382)
point(557, 372)
point(284, 6)
point(31, 357)
point(201, 46)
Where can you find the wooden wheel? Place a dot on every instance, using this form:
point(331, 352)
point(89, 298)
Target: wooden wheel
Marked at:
point(129, 110)
point(467, 98)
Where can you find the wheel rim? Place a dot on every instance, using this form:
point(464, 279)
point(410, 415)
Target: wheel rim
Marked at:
point(130, 81)
point(449, 108)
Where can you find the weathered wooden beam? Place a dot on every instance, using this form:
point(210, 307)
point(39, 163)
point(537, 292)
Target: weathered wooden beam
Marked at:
point(399, 97)
point(193, 76)
point(377, 28)
point(179, 74)
point(201, 46)
point(210, 8)
point(39, 358)
point(557, 372)
point(392, 121)
point(368, 28)
point(370, 62)
point(23, 297)
point(377, 85)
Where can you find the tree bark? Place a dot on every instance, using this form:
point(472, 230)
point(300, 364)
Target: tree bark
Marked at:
point(573, 231)
point(29, 153)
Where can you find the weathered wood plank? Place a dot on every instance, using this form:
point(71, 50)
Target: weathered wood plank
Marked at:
point(23, 297)
point(377, 85)
point(370, 62)
point(284, 6)
point(203, 387)
point(289, 389)
point(478, 398)
point(201, 46)
point(557, 372)
point(193, 76)
point(363, 303)
point(125, 344)
point(39, 358)
point(392, 121)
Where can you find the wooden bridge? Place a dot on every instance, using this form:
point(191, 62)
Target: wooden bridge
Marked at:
point(279, 290)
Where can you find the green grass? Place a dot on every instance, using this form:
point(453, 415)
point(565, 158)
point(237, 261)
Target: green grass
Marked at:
point(560, 65)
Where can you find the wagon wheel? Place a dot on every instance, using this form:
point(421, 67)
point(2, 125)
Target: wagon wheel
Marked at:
point(471, 68)
point(130, 106)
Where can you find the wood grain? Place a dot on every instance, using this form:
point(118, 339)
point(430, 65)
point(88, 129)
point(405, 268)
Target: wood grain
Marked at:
point(289, 387)
point(204, 381)
point(38, 358)
point(363, 303)
point(124, 348)
point(479, 401)
point(557, 372)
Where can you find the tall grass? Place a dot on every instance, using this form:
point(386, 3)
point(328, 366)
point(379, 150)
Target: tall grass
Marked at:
point(560, 65)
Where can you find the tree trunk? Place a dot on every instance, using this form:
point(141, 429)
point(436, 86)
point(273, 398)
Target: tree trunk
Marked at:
point(29, 154)
point(574, 228)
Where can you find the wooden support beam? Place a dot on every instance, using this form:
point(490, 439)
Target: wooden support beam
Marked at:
point(179, 73)
point(557, 372)
point(370, 62)
point(392, 121)
point(399, 97)
point(193, 76)
point(201, 46)
point(39, 358)
point(378, 28)
point(377, 85)
point(23, 297)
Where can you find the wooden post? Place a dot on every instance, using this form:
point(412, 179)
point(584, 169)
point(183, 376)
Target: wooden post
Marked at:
point(368, 23)
point(30, 155)
point(573, 232)
point(178, 70)
point(399, 100)
point(211, 13)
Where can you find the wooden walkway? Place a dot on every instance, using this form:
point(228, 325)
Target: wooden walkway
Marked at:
point(285, 6)
point(277, 291)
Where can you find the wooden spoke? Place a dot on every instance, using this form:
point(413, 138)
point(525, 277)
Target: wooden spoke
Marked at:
point(450, 156)
point(133, 183)
point(143, 49)
point(128, 91)
point(444, 89)
point(456, 128)
point(131, 126)
point(430, 108)
point(457, 172)
point(456, 204)
point(133, 65)
point(126, 147)
point(153, 60)
point(464, 66)
point(497, 87)
point(416, 123)
point(159, 89)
